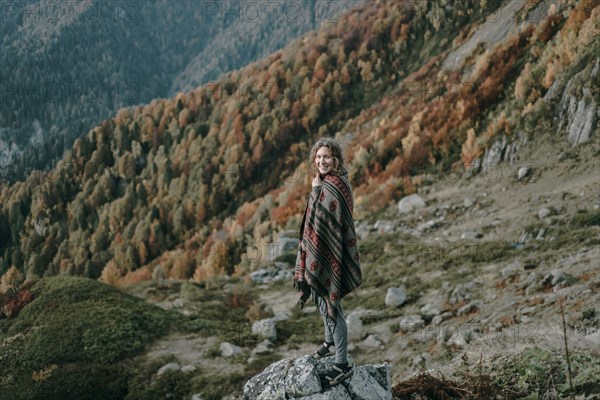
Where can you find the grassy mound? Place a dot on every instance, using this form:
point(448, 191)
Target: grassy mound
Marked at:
point(76, 339)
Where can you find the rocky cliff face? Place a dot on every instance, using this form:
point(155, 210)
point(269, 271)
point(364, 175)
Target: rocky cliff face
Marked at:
point(578, 107)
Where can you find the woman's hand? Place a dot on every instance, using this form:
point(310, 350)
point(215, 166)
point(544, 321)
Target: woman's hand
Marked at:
point(317, 181)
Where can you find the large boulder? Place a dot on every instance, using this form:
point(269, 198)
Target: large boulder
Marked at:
point(300, 379)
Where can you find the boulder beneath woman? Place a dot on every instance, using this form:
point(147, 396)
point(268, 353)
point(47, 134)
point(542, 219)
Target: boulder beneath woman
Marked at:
point(299, 378)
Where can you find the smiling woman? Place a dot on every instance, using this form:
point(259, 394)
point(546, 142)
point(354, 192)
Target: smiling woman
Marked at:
point(328, 247)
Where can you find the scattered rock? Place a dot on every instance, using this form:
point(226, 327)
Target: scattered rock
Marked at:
point(540, 235)
point(355, 326)
point(278, 272)
point(461, 292)
point(460, 339)
point(384, 226)
point(265, 328)
point(544, 212)
point(362, 230)
point(431, 224)
point(420, 360)
point(410, 203)
point(411, 323)
point(168, 367)
point(554, 277)
point(470, 235)
point(528, 310)
point(264, 347)
point(428, 311)
point(395, 297)
point(372, 342)
point(438, 319)
point(511, 269)
point(228, 349)
point(188, 369)
point(468, 308)
point(522, 172)
point(469, 202)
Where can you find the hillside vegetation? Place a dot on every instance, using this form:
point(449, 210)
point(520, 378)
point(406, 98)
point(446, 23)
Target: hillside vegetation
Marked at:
point(66, 66)
point(168, 180)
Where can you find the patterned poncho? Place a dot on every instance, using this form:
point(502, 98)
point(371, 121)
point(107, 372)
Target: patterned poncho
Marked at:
point(328, 258)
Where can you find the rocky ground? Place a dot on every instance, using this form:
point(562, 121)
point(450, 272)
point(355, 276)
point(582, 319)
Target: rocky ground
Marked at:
point(477, 270)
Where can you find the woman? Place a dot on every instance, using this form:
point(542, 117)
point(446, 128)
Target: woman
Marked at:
point(327, 265)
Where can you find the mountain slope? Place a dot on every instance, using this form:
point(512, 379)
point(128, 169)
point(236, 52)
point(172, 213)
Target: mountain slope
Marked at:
point(67, 66)
point(156, 173)
point(498, 133)
point(194, 174)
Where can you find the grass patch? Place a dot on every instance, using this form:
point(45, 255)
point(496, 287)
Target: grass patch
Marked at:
point(300, 328)
point(74, 339)
point(144, 384)
point(214, 387)
point(586, 218)
point(220, 313)
point(396, 259)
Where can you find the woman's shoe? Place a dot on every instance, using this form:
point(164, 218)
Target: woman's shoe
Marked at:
point(323, 351)
point(337, 374)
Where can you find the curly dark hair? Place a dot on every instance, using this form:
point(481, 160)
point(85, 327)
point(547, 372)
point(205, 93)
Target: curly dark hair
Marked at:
point(336, 152)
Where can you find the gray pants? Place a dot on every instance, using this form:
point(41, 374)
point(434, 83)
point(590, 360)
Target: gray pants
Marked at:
point(337, 332)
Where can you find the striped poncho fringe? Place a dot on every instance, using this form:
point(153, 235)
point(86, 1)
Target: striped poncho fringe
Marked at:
point(328, 260)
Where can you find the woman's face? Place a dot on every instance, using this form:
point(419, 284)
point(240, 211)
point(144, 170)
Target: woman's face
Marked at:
point(324, 160)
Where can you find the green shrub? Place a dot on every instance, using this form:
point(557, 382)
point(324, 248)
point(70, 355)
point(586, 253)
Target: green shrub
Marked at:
point(73, 339)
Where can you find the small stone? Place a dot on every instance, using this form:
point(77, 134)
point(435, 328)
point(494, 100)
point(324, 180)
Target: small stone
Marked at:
point(522, 173)
point(429, 311)
point(395, 297)
point(372, 341)
point(410, 203)
point(555, 277)
point(444, 333)
point(544, 212)
point(470, 235)
point(265, 328)
point(511, 269)
point(264, 347)
point(168, 367)
point(540, 235)
point(411, 323)
point(197, 396)
point(188, 369)
point(384, 226)
point(438, 319)
point(459, 339)
point(528, 310)
point(469, 202)
point(468, 308)
point(355, 326)
point(228, 349)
